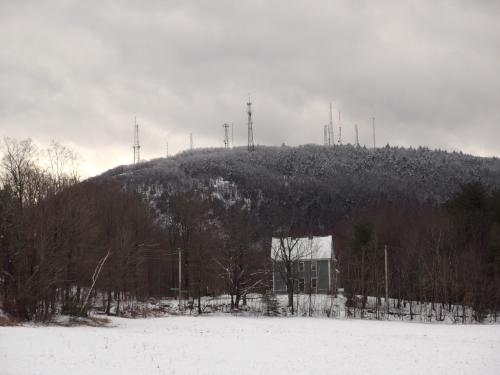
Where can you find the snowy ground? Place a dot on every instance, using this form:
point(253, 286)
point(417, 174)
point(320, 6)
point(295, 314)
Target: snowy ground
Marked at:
point(317, 305)
point(238, 345)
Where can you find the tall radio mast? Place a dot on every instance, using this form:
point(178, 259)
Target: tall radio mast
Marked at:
point(137, 146)
point(357, 136)
point(251, 146)
point(340, 131)
point(331, 139)
point(373, 129)
point(226, 135)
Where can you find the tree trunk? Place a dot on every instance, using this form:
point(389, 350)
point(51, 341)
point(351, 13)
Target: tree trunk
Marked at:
point(290, 294)
point(199, 302)
point(117, 303)
point(108, 304)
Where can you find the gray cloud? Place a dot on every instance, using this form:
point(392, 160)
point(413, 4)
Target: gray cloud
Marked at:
point(80, 71)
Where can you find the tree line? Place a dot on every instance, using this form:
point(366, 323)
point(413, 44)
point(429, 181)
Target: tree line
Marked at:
point(444, 255)
point(68, 246)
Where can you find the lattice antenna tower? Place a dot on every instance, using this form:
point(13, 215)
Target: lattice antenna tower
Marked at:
point(373, 130)
point(357, 135)
point(331, 139)
point(251, 146)
point(137, 146)
point(340, 131)
point(226, 135)
point(232, 134)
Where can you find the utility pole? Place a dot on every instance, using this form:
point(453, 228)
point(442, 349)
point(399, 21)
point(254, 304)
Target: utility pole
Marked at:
point(373, 129)
point(334, 265)
point(325, 135)
point(137, 146)
point(251, 146)
point(232, 134)
point(386, 284)
point(226, 135)
point(180, 278)
point(310, 286)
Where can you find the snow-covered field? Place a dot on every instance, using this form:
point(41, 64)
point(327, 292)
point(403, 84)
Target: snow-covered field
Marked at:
point(242, 345)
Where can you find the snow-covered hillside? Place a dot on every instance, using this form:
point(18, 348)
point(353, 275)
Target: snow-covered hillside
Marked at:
point(223, 345)
point(333, 180)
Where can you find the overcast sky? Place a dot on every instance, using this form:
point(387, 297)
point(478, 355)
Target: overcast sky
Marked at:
point(79, 71)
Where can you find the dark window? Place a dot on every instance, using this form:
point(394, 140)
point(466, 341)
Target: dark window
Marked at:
point(314, 266)
point(314, 283)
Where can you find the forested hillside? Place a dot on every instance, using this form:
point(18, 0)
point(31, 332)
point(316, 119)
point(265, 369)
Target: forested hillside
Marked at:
point(69, 246)
point(322, 183)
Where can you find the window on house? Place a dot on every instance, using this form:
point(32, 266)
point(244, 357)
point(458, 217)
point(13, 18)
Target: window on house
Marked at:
point(314, 266)
point(302, 283)
point(301, 267)
point(314, 283)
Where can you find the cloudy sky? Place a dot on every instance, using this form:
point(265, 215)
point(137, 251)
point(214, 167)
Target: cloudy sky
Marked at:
point(79, 71)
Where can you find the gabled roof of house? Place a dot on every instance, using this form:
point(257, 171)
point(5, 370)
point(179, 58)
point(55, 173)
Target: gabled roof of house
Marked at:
point(303, 248)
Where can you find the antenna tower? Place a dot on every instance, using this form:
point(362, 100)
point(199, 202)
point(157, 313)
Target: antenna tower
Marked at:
point(137, 146)
point(357, 135)
point(373, 129)
point(251, 146)
point(331, 139)
point(232, 134)
point(340, 131)
point(226, 135)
